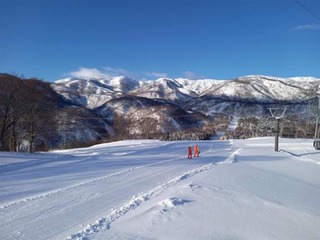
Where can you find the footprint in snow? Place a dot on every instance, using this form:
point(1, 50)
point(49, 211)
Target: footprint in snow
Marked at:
point(171, 203)
point(197, 188)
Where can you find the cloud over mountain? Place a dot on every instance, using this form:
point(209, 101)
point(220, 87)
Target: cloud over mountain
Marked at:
point(88, 73)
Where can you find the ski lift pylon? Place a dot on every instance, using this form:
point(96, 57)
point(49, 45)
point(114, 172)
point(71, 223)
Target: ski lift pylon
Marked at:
point(316, 142)
point(277, 114)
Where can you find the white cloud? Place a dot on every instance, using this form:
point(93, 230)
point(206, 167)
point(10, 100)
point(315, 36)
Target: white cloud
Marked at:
point(105, 72)
point(108, 72)
point(155, 74)
point(192, 75)
point(88, 73)
point(118, 72)
point(307, 27)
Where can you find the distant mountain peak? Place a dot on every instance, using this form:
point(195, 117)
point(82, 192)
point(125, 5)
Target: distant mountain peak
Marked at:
point(253, 88)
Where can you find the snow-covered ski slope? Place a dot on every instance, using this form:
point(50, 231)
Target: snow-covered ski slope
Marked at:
point(146, 189)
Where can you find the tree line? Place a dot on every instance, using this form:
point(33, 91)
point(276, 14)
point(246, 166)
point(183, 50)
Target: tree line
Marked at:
point(27, 110)
point(33, 117)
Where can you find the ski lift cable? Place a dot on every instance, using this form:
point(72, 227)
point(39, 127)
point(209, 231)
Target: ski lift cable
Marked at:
point(307, 9)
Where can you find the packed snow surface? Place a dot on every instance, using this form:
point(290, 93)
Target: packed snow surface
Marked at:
point(147, 189)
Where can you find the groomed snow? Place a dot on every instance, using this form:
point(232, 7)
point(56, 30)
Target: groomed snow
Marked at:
point(147, 189)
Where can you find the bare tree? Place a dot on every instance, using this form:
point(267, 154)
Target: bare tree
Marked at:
point(10, 97)
point(122, 126)
point(39, 110)
point(148, 127)
point(25, 110)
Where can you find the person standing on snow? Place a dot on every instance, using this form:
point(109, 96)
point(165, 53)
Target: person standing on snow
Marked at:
point(189, 152)
point(196, 151)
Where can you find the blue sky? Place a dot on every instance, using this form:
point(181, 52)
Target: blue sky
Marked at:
point(147, 39)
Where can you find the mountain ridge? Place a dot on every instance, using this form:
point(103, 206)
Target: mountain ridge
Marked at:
point(255, 88)
point(202, 104)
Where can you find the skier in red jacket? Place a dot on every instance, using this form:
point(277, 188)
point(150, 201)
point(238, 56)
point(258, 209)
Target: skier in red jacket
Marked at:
point(196, 151)
point(189, 152)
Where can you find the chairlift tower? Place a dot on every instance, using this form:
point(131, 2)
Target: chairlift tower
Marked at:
point(312, 112)
point(277, 114)
point(316, 142)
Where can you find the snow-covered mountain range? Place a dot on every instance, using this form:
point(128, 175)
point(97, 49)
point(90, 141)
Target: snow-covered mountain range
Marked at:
point(76, 112)
point(93, 93)
point(180, 103)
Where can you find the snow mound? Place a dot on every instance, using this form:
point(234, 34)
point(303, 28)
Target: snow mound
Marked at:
point(171, 203)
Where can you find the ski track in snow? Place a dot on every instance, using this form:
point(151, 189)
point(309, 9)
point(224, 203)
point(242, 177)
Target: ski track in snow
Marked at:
point(43, 195)
point(300, 156)
point(64, 189)
point(104, 223)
